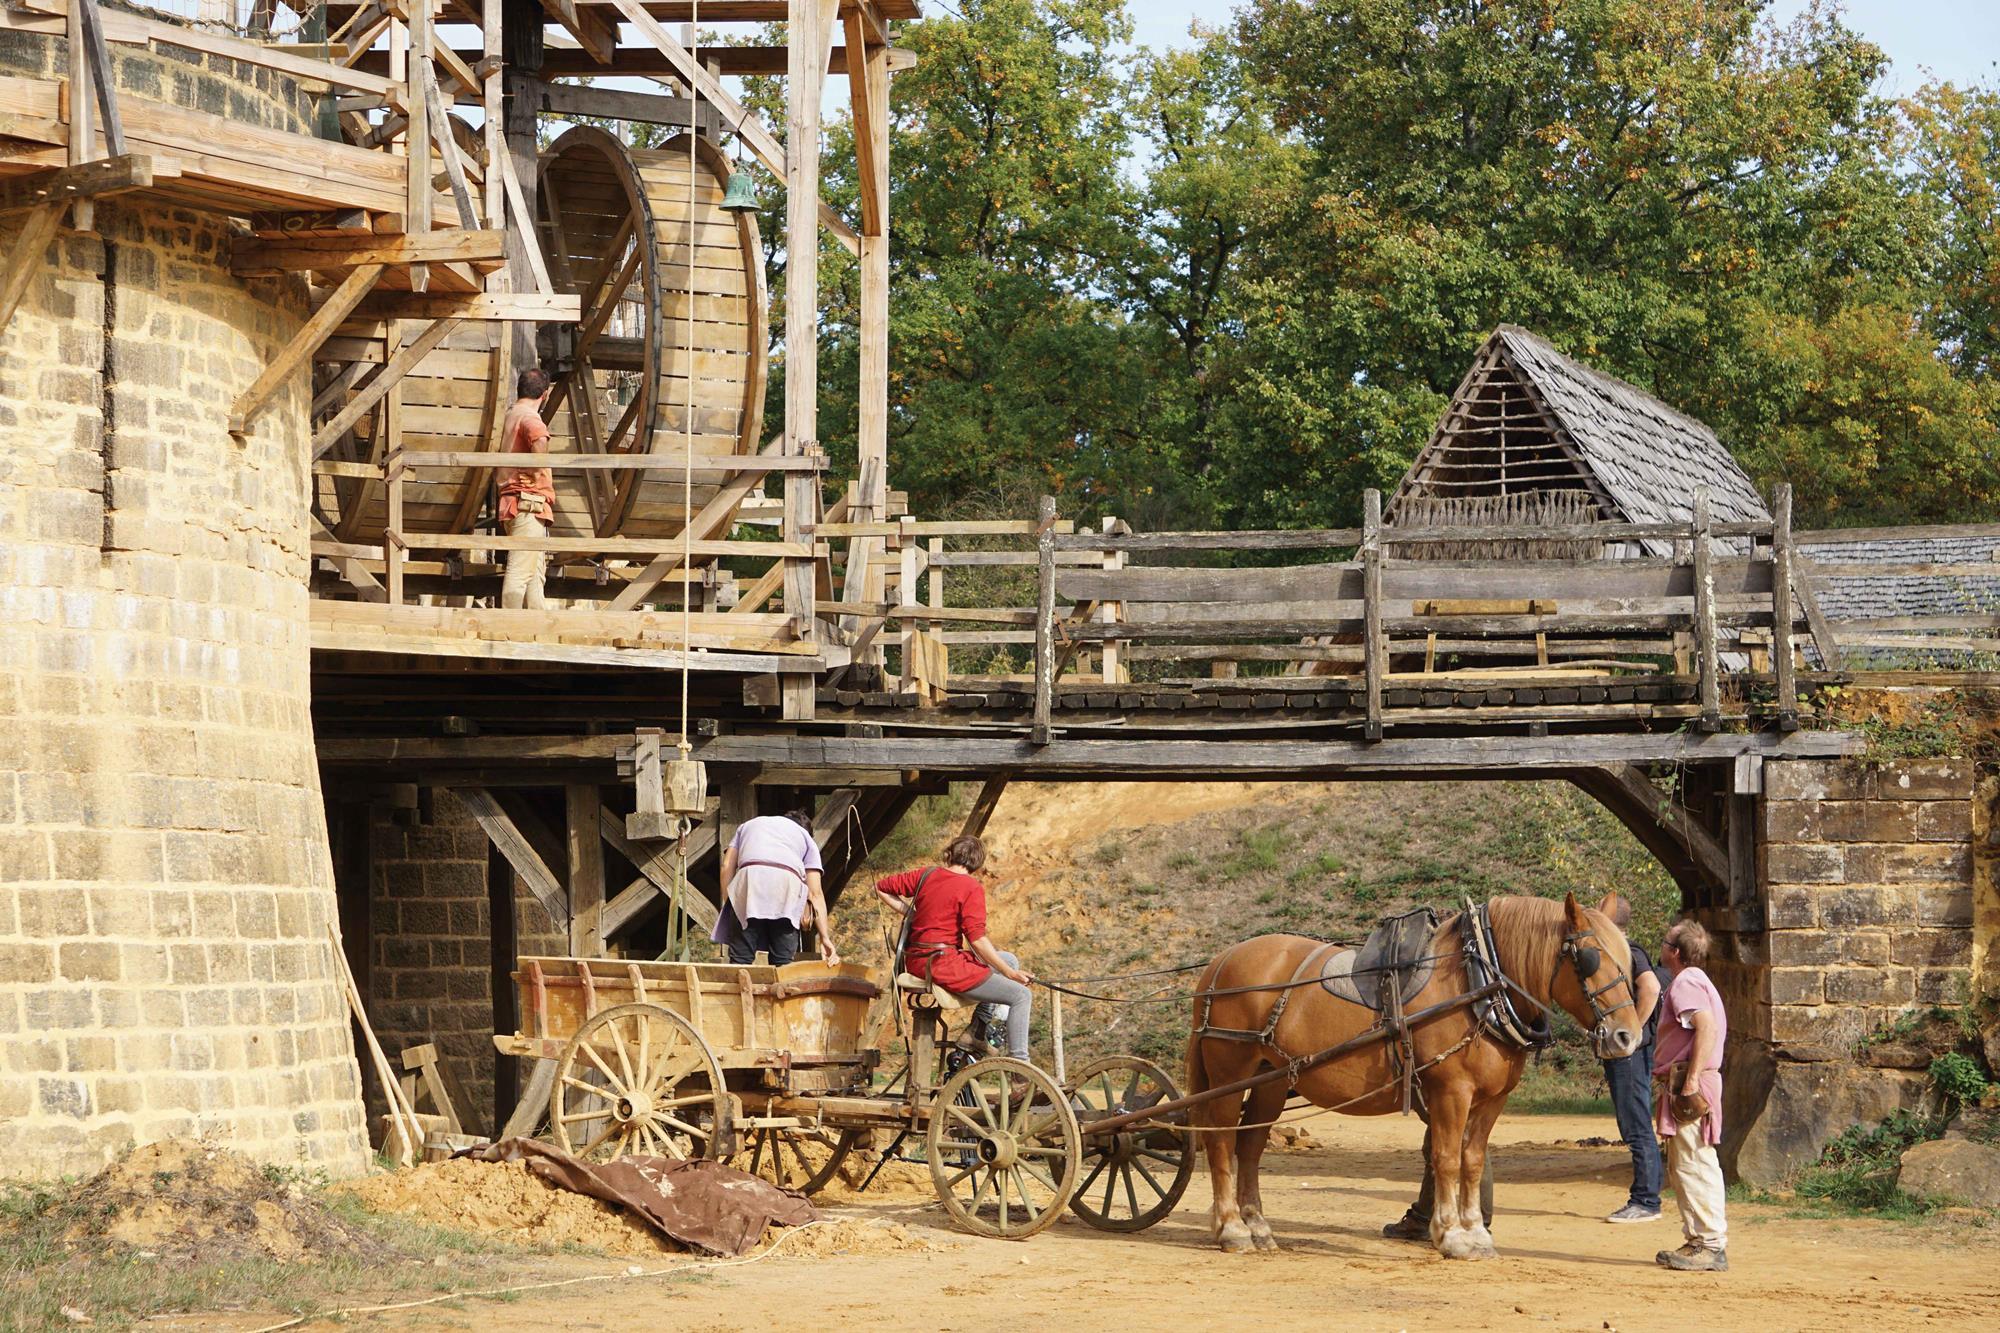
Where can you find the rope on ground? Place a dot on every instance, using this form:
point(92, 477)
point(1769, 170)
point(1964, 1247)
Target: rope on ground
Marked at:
point(668, 1271)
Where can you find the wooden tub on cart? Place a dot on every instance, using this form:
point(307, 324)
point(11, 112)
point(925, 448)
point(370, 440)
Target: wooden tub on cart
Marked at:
point(770, 1068)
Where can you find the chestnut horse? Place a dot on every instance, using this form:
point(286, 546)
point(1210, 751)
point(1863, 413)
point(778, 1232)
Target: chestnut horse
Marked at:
point(1553, 954)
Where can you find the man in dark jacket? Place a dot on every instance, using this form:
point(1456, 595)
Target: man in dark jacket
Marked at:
point(1631, 1082)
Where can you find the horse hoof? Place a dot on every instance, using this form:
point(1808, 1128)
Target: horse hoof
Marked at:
point(1458, 1245)
point(1235, 1238)
point(1265, 1241)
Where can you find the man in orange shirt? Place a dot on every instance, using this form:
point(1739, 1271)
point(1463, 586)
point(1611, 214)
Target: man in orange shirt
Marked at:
point(527, 494)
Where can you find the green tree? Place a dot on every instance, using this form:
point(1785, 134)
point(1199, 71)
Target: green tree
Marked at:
point(1648, 182)
point(1009, 371)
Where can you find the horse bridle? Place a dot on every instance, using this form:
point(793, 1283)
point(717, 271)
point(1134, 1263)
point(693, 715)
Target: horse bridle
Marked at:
point(1586, 955)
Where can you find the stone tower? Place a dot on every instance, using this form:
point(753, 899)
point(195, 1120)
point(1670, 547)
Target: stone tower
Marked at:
point(166, 962)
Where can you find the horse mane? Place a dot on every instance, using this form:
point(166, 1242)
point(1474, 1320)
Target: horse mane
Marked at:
point(1528, 935)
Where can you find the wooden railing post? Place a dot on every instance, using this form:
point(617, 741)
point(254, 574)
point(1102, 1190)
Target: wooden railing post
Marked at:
point(1373, 656)
point(906, 596)
point(1045, 623)
point(1781, 608)
point(1708, 661)
point(1110, 612)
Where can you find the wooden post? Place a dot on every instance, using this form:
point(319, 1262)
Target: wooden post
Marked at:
point(871, 132)
point(906, 595)
point(1110, 613)
point(1781, 608)
point(1056, 1032)
point(1373, 663)
point(1710, 667)
point(502, 931)
point(393, 548)
point(586, 871)
point(983, 808)
point(83, 214)
point(417, 134)
point(1045, 624)
point(809, 35)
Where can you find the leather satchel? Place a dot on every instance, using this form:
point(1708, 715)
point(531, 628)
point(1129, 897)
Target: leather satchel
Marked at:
point(1688, 1107)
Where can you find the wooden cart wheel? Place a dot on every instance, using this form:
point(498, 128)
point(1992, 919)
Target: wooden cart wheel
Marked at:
point(1131, 1178)
point(803, 1158)
point(1003, 1170)
point(638, 1079)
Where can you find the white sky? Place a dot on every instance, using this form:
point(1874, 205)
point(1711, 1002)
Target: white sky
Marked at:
point(1957, 40)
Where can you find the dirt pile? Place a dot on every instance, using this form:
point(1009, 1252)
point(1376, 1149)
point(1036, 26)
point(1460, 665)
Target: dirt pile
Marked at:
point(182, 1198)
point(510, 1203)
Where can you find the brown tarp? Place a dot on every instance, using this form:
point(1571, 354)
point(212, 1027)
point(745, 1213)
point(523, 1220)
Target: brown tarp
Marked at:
point(704, 1205)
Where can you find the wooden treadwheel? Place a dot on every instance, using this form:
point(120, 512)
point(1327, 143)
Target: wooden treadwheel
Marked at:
point(639, 1080)
point(804, 1158)
point(673, 320)
point(1134, 1177)
point(1000, 1169)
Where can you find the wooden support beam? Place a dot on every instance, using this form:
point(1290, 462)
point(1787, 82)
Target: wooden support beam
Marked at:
point(658, 865)
point(257, 256)
point(585, 807)
point(357, 575)
point(593, 31)
point(1708, 656)
point(1045, 623)
point(571, 100)
point(527, 307)
point(1652, 815)
point(1781, 608)
point(1804, 575)
point(982, 809)
point(520, 853)
point(109, 175)
point(24, 260)
point(1374, 649)
point(298, 352)
point(378, 384)
point(417, 96)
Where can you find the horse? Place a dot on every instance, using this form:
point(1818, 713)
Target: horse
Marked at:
point(1260, 1006)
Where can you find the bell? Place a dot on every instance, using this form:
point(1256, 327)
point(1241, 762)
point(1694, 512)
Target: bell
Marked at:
point(741, 196)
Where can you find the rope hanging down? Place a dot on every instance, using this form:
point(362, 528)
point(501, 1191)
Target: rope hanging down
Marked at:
point(687, 421)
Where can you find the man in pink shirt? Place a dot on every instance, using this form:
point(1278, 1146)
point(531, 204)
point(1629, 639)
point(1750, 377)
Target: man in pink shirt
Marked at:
point(527, 494)
point(1687, 1071)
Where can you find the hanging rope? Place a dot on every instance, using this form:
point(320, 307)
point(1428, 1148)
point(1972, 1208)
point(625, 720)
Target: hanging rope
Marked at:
point(687, 424)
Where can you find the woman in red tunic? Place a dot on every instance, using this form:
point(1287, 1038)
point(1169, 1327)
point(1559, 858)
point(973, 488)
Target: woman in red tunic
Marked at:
point(948, 942)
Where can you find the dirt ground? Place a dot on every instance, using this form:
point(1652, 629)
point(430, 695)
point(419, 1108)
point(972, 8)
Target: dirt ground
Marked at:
point(1560, 1266)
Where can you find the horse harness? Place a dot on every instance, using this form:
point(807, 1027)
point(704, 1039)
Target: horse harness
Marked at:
point(1495, 1013)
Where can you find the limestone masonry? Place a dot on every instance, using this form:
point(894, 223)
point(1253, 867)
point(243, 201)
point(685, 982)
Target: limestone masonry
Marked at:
point(165, 885)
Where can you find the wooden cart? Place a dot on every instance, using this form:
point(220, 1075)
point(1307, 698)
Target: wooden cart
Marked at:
point(769, 1068)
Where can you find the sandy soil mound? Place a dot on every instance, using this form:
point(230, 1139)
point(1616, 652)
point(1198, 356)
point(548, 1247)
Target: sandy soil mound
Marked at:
point(180, 1197)
point(508, 1202)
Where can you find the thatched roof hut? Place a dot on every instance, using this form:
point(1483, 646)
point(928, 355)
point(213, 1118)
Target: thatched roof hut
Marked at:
point(1532, 436)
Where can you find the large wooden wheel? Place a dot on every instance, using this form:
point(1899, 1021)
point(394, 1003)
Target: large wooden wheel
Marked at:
point(1001, 1169)
point(672, 291)
point(1132, 1177)
point(804, 1158)
point(639, 1080)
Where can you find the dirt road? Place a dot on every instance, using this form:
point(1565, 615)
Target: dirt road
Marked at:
point(1560, 1266)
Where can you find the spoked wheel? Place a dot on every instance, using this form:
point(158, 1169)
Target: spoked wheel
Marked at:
point(1132, 1177)
point(803, 1159)
point(638, 1079)
point(1002, 1169)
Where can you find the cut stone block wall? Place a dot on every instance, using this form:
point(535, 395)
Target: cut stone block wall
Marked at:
point(165, 885)
point(430, 967)
point(1866, 874)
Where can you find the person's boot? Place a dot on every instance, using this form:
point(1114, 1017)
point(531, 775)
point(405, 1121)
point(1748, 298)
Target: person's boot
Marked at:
point(1410, 1226)
point(1695, 1259)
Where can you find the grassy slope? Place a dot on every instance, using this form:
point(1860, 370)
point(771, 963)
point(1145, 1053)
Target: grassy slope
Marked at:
point(1088, 881)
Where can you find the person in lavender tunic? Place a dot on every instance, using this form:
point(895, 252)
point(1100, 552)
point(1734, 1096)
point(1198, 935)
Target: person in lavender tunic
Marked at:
point(771, 889)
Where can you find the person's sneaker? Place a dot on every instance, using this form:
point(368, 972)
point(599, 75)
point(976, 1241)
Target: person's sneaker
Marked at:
point(1632, 1212)
point(1703, 1260)
point(1665, 1256)
point(1408, 1227)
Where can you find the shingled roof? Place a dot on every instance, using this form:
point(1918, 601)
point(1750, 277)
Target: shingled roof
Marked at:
point(1528, 418)
point(1894, 595)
